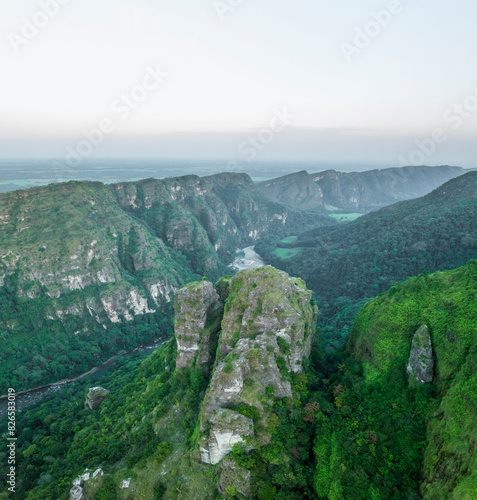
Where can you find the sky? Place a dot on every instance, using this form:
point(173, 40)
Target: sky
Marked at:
point(385, 82)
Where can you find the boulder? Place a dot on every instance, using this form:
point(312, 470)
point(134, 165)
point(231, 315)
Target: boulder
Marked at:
point(95, 397)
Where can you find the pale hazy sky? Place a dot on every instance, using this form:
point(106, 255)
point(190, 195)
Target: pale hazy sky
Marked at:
point(231, 66)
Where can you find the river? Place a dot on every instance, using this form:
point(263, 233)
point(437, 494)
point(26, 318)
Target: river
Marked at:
point(33, 396)
point(247, 258)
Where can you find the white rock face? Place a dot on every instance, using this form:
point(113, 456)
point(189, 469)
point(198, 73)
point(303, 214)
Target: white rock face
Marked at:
point(161, 290)
point(82, 479)
point(126, 483)
point(138, 303)
point(105, 276)
point(88, 480)
point(73, 310)
point(108, 305)
point(227, 428)
point(97, 472)
point(115, 305)
point(77, 493)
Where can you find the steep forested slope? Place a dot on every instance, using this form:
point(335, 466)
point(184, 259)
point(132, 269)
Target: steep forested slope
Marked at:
point(368, 429)
point(348, 264)
point(171, 423)
point(387, 435)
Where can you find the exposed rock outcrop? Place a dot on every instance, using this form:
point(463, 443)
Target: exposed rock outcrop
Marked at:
point(78, 493)
point(198, 311)
point(95, 396)
point(87, 485)
point(227, 428)
point(421, 363)
point(267, 329)
point(130, 246)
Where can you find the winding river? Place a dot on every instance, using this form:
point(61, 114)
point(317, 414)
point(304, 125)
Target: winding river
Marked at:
point(28, 398)
point(247, 258)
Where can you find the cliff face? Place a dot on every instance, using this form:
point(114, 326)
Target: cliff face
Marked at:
point(267, 328)
point(78, 260)
point(68, 237)
point(208, 218)
point(61, 240)
point(198, 310)
point(357, 191)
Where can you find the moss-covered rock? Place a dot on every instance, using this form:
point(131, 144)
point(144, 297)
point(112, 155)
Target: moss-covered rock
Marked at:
point(78, 493)
point(421, 363)
point(198, 311)
point(95, 396)
point(267, 329)
point(234, 478)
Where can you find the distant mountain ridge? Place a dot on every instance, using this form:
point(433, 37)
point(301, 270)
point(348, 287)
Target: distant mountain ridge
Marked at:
point(357, 191)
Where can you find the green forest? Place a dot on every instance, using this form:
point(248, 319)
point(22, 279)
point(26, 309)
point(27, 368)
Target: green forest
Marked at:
point(347, 265)
point(355, 423)
point(356, 426)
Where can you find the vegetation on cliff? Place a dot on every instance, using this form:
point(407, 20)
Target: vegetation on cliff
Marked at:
point(347, 265)
point(385, 437)
point(243, 403)
point(149, 427)
point(87, 270)
point(357, 429)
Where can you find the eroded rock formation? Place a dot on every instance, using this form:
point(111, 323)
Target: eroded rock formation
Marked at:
point(198, 311)
point(267, 328)
point(421, 362)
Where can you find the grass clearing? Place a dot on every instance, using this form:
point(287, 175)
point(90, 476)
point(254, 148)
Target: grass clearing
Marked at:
point(286, 253)
point(289, 239)
point(345, 217)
